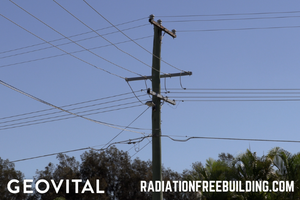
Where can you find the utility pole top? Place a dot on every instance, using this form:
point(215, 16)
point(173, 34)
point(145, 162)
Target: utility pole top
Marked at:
point(158, 24)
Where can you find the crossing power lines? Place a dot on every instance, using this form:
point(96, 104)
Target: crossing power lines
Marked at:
point(22, 56)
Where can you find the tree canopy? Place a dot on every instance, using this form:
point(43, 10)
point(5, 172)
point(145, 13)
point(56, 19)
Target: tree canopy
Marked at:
point(114, 172)
point(7, 173)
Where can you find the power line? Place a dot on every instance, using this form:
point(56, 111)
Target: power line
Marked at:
point(212, 100)
point(49, 104)
point(141, 148)
point(234, 139)
point(237, 97)
point(73, 40)
point(238, 89)
point(52, 154)
point(219, 138)
point(54, 56)
point(232, 92)
point(129, 141)
point(65, 116)
point(140, 139)
point(232, 19)
point(58, 118)
point(80, 35)
point(102, 36)
point(62, 49)
point(87, 106)
point(71, 117)
point(230, 14)
point(127, 126)
point(80, 40)
point(129, 37)
point(73, 104)
point(240, 29)
point(134, 92)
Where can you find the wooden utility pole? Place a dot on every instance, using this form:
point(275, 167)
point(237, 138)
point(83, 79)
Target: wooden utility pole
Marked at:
point(156, 100)
point(156, 114)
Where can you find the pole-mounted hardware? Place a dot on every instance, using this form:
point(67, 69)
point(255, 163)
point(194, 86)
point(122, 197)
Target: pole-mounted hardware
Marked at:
point(161, 97)
point(158, 24)
point(161, 76)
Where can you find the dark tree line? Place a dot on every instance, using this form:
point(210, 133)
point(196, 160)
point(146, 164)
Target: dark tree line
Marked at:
point(120, 177)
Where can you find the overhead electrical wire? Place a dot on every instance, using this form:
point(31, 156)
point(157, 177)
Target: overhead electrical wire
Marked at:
point(71, 117)
point(62, 49)
point(79, 40)
point(103, 37)
point(66, 116)
point(224, 94)
point(47, 155)
point(126, 127)
point(54, 56)
point(49, 104)
point(72, 109)
point(233, 92)
point(138, 140)
point(221, 94)
point(232, 14)
point(107, 41)
point(189, 138)
point(73, 40)
point(129, 141)
point(73, 104)
point(141, 148)
point(234, 139)
point(79, 35)
point(108, 144)
point(134, 92)
point(231, 19)
point(234, 100)
point(130, 38)
point(212, 100)
point(19, 119)
point(236, 97)
point(238, 89)
point(239, 29)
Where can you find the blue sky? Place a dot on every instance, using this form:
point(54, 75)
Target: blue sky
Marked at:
point(220, 57)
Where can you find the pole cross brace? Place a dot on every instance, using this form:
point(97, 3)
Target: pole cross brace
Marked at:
point(161, 76)
point(161, 97)
point(158, 24)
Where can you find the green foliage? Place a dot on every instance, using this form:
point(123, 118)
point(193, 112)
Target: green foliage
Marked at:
point(68, 168)
point(277, 165)
point(288, 168)
point(7, 173)
point(120, 177)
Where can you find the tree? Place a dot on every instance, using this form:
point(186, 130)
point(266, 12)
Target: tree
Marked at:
point(288, 166)
point(68, 168)
point(119, 177)
point(7, 173)
point(250, 167)
point(213, 170)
